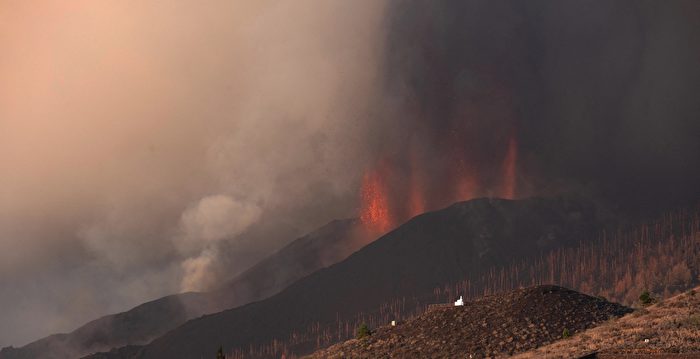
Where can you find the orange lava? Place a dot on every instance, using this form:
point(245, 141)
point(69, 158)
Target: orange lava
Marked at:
point(397, 189)
point(375, 213)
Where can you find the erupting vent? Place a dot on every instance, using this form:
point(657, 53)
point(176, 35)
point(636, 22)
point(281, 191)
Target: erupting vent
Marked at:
point(394, 191)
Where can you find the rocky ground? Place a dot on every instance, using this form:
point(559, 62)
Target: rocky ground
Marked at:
point(497, 325)
point(669, 329)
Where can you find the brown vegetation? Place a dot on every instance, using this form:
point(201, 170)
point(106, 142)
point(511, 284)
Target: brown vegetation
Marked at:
point(661, 257)
point(671, 326)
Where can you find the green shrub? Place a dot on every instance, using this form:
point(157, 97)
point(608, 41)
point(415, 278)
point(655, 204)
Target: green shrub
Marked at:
point(363, 331)
point(565, 334)
point(646, 298)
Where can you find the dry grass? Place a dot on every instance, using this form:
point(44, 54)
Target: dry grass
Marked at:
point(672, 326)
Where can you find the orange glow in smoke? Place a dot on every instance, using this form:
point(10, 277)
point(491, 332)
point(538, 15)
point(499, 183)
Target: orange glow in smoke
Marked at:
point(467, 185)
point(416, 199)
point(509, 166)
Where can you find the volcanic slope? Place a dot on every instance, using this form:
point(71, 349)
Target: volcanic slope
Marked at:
point(327, 245)
point(428, 251)
point(668, 329)
point(495, 325)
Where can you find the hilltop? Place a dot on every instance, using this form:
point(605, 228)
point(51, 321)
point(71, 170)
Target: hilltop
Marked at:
point(495, 325)
point(529, 324)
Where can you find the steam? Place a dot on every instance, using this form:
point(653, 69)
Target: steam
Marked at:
point(197, 271)
point(212, 219)
point(218, 216)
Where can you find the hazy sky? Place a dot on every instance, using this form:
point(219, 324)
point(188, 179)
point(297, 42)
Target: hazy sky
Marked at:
point(136, 137)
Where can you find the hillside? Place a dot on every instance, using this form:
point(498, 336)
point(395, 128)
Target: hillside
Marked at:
point(528, 324)
point(409, 262)
point(325, 246)
point(137, 325)
point(496, 325)
point(672, 326)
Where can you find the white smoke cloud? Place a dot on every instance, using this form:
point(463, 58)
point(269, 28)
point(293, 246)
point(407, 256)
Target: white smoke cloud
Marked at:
point(218, 216)
point(197, 271)
point(213, 219)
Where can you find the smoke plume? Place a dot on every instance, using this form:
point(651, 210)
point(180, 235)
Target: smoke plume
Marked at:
point(513, 99)
point(213, 219)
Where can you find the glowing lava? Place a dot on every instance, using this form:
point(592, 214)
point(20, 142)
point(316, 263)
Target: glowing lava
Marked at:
point(398, 187)
point(375, 213)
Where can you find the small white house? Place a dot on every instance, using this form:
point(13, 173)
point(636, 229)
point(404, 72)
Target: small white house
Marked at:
point(459, 302)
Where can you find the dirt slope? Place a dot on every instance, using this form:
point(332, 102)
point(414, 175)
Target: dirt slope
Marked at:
point(671, 326)
point(497, 325)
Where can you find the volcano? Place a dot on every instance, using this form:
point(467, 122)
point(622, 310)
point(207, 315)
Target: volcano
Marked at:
point(411, 260)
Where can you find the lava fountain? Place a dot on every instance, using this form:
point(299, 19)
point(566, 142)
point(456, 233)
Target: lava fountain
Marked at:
point(398, 188)
point(375, 213)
